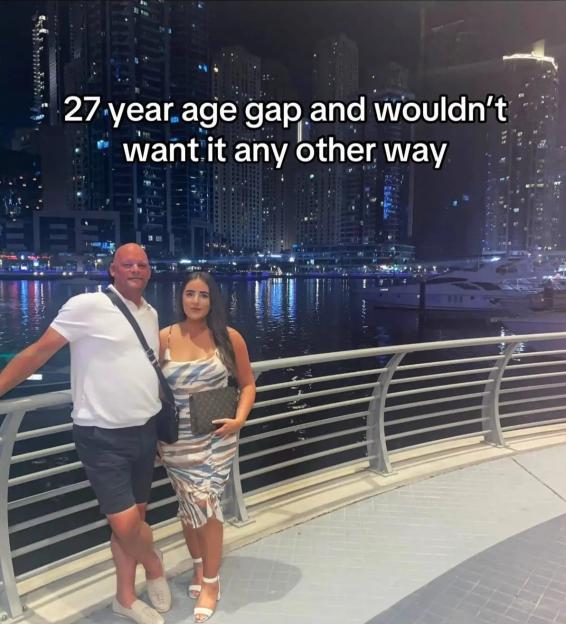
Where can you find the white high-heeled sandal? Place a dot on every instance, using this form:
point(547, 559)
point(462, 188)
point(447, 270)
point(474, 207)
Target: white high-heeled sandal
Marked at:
point(194, 590)
point(208, 613)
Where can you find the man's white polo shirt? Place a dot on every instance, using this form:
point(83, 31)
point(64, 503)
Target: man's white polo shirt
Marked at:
point(112, 381)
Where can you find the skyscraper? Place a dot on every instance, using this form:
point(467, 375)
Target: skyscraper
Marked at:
point(453, 43)
point(276, 200)
point(390, 215)
point(313, 186)
point(122, 52)
point(307, 200)
point(448, 202)
point(191, 183)
point(521, 204)
point(336, 78)
point(336, 69)
point(20, 197)
point(559, 174)
point(48, 57)
point(237, 186)
point(47, 66)
point(77, 134)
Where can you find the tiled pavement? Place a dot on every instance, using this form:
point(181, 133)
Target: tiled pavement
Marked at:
point(522, 579)
point(482, 544)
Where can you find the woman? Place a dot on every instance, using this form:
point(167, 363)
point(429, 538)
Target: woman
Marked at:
point(200, 353)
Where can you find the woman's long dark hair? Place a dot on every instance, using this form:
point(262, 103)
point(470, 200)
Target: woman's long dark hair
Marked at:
point(216, 318)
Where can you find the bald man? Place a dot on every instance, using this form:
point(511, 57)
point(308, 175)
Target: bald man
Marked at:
point(115, 395)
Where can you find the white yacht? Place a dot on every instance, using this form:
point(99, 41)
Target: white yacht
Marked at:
point(492, 287)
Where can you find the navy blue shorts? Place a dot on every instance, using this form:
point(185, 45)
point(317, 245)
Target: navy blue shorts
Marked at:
point(118, 463)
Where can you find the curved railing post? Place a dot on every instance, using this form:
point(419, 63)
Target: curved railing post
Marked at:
point(377, 445)
point(490, 405)
point(9, 597)
point(236, 508)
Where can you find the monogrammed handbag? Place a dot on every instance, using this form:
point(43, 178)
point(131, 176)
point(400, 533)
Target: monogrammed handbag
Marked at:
point(209, 405)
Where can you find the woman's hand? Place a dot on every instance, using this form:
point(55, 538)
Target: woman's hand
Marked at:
point(227, 426)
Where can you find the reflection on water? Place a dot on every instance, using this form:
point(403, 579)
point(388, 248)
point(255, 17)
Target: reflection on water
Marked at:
point(278, 317)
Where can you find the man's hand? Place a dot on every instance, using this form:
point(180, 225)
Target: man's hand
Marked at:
point(30, 359)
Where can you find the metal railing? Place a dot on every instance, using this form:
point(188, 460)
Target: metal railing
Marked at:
point(312, 414)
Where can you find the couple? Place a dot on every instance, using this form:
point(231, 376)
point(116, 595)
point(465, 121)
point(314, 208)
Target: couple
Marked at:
point(115, 394)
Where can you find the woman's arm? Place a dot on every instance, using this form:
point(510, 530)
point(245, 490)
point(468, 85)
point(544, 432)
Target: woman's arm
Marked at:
point(246, 381)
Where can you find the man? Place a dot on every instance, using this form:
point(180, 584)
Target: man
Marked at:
point(115, 393)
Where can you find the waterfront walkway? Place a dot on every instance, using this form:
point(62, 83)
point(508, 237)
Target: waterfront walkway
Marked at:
point(482, 543)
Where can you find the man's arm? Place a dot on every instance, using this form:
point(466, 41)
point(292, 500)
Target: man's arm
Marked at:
point(30, 359)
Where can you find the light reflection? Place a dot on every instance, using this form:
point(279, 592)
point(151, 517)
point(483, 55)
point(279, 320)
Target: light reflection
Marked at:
point(278, 317)
point(291, 306)
point(276, 292)
point(258, 303)
point(24, 301)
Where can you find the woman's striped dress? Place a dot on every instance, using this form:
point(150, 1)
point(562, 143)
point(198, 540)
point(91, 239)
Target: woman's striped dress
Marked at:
point(198, 466)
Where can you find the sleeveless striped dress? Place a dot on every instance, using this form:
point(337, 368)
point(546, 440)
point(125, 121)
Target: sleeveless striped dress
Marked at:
point(198, 465)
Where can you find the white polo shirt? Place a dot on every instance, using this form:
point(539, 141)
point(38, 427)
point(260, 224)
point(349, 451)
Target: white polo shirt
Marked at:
point(112, 381)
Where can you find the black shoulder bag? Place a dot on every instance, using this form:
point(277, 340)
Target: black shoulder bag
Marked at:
point(167, 419)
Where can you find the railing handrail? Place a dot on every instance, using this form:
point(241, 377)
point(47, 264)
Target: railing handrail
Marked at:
point(319, 358)
point(35, 401)
point(50, 399)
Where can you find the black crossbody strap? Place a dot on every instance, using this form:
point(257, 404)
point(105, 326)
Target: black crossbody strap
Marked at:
point(167, 392)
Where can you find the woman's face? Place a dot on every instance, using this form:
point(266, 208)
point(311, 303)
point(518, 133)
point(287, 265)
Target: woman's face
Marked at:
point(196, 300)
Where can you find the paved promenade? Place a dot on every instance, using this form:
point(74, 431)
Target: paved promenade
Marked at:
point(481, 544)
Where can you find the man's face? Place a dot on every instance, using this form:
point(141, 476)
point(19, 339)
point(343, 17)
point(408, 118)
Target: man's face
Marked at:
point(130, 270)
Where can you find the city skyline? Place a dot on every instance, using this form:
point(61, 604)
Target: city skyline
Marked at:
point(268, 25)
point(185, 208)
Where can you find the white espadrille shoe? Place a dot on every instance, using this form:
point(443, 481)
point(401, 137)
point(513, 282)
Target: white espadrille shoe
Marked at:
point(139, 612)
point(158, 590)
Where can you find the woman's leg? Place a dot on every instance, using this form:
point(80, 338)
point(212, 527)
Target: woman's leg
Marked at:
point(210, 537)
point(191, 538)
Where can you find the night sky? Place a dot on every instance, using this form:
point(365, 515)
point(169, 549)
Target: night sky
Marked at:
point(287, 31)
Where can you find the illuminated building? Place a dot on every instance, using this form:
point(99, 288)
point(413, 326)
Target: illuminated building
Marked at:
point(521, 204)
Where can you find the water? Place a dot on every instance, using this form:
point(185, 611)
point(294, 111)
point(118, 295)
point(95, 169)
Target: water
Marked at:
point(277, 317)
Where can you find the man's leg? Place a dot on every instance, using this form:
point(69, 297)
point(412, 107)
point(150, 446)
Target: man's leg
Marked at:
point(126, 565)
point(112, 462)
point(130, 529)
point(134, 542)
